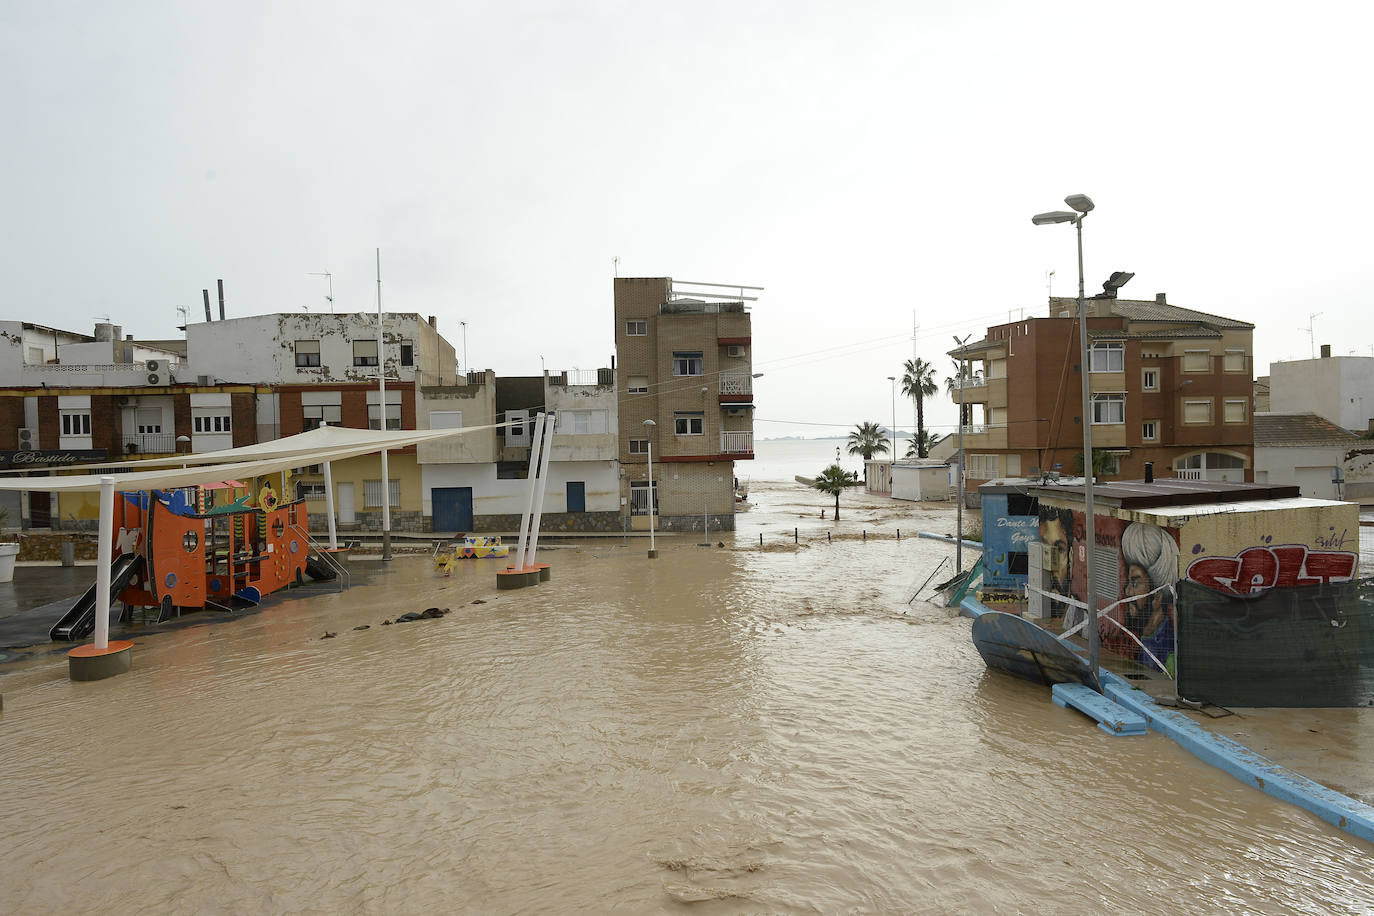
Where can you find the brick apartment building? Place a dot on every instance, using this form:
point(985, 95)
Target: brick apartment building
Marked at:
point(685, 362)
point(1168, 385)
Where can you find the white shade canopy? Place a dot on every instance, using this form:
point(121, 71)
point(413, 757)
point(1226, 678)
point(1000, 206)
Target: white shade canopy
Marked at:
point(327, 443)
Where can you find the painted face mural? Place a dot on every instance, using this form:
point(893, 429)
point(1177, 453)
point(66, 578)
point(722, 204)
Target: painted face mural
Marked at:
point(1056, 539)
point(1148, 560)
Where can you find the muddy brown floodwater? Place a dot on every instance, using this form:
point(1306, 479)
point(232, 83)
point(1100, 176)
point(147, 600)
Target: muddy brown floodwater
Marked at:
point(722, 730)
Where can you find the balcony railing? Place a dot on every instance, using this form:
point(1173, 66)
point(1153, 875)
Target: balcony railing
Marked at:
point(1188, 473)
point(736, 383)
point(150, 443)
point(978, 429)
point(736, 442)
point(973, 381)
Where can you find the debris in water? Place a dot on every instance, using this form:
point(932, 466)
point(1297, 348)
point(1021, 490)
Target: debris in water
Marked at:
point(328, 635)
point(478, 601)
point(386, 623)
point(363, 627)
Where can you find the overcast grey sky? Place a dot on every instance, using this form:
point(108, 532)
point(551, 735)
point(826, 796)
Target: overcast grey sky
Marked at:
point(862, 161)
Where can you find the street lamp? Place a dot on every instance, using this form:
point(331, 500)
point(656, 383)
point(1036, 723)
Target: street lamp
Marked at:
point(959, 507)
point(893, 380)
point(649, 428)
point(1082, 205)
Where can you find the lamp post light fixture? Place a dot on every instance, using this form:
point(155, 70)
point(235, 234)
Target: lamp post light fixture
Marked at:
point(1082, 205)
point(649, 429)
point(959, 507)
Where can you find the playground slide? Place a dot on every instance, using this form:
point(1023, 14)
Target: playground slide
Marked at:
point(79, 622)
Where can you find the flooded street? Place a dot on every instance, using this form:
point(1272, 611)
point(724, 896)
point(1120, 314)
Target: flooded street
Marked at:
point(722, 730)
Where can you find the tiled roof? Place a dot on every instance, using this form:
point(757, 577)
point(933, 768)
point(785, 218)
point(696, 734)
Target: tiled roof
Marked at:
point(1149, 310)
point(1300, 429)
point(1163, 334)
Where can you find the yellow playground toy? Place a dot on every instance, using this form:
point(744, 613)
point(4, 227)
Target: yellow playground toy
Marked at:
point(474, 547)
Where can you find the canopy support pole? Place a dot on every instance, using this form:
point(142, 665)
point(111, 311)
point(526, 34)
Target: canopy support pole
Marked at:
point(104, 551)
point(545, 453)
point(329, 506)
point(535, 446)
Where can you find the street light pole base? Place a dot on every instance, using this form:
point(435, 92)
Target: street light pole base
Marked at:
point(653, 554)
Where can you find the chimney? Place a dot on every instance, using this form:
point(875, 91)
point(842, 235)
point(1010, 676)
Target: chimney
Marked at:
point(1149, 472)
point(206, 294)
point(1326, 351)
point(1159, 299)
point(221, 299)
point(433, 322)
point(128, 337)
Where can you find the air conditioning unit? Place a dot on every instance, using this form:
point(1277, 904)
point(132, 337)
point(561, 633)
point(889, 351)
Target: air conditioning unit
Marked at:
point(156, 378)
point(734, 351)
point(203, 381)
point(27, 438)
point(125, 400)
point(159, 371)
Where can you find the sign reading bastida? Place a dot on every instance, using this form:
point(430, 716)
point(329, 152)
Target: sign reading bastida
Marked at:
point(38, 457)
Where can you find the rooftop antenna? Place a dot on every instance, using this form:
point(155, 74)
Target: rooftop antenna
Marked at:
point(330, 298)
point(185, 317)
point(615, 265)
point(1311, 334)
point(1049, 284)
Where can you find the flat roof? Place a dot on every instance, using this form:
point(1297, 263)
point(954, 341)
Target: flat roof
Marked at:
point(1172, 491)
point(1167, 514)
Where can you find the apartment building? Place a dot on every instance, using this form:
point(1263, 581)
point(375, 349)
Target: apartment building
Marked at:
point(1339, 388)
point(68, 398)
point(322, 371)
point(478, 482)
point(1168, 385)
point(685, 390)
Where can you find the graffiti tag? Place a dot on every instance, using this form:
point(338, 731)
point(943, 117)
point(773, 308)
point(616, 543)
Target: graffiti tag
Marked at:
point(1259, 568)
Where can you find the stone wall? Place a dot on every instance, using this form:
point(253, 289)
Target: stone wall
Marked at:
point(49, 546)
point(554, 522)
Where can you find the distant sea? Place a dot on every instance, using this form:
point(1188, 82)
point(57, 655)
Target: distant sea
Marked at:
point(784, 459)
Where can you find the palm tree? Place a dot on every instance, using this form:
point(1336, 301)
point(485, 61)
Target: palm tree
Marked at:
point(920, 448)
point(918, 383)
point(962, 373)
point(1104, 463)
point(867, 440)
point(835, 479)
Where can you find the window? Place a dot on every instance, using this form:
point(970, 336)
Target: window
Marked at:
point(1107, 356)
point(1233, 411)
point(307, 353)
point(1197, 361)
point(639, 446)
point(982, 467)
point(364, 352)
point(583, 422)
point(639, 384)
point(1149, 431)
point(393, 416)
point(309, 490)
point(372, 494)
point(1197, 412)
point(76, 423)
point(1149, 379)
point(688, 424)
point(1233, 360)
point(317, 415)
point(407, 352)
point(687, 363)
point(1109, 408)
point(636, 329)
point(210, 423)
point(639, 497)
point(445, 419)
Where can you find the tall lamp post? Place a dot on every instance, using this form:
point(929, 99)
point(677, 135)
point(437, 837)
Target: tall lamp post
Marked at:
point(893, 380)
point(649, 428)
point(959, 507)
point(1082, 205)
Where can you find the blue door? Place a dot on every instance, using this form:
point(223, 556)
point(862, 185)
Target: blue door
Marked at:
point(452, 508)
point(577, 496)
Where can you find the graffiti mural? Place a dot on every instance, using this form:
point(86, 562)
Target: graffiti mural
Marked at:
point(1258, 569)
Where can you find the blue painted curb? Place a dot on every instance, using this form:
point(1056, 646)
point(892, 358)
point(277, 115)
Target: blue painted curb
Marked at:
point(1342, 811)
point(1347, 813)
point(947, 538)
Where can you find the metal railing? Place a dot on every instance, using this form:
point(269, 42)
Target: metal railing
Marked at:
point(736, 383)
point(341, 575)
point(150, 443)
point(736, 442)
point(1188, 473)
point(974, 381)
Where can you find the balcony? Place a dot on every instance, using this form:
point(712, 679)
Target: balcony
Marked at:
point(974, 381)
point(150, 444)
point(736, 442)
point(90, 375)
point(736, 383)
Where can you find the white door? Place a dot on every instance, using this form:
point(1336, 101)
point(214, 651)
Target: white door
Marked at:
point(345, 504)
point(518, 433)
